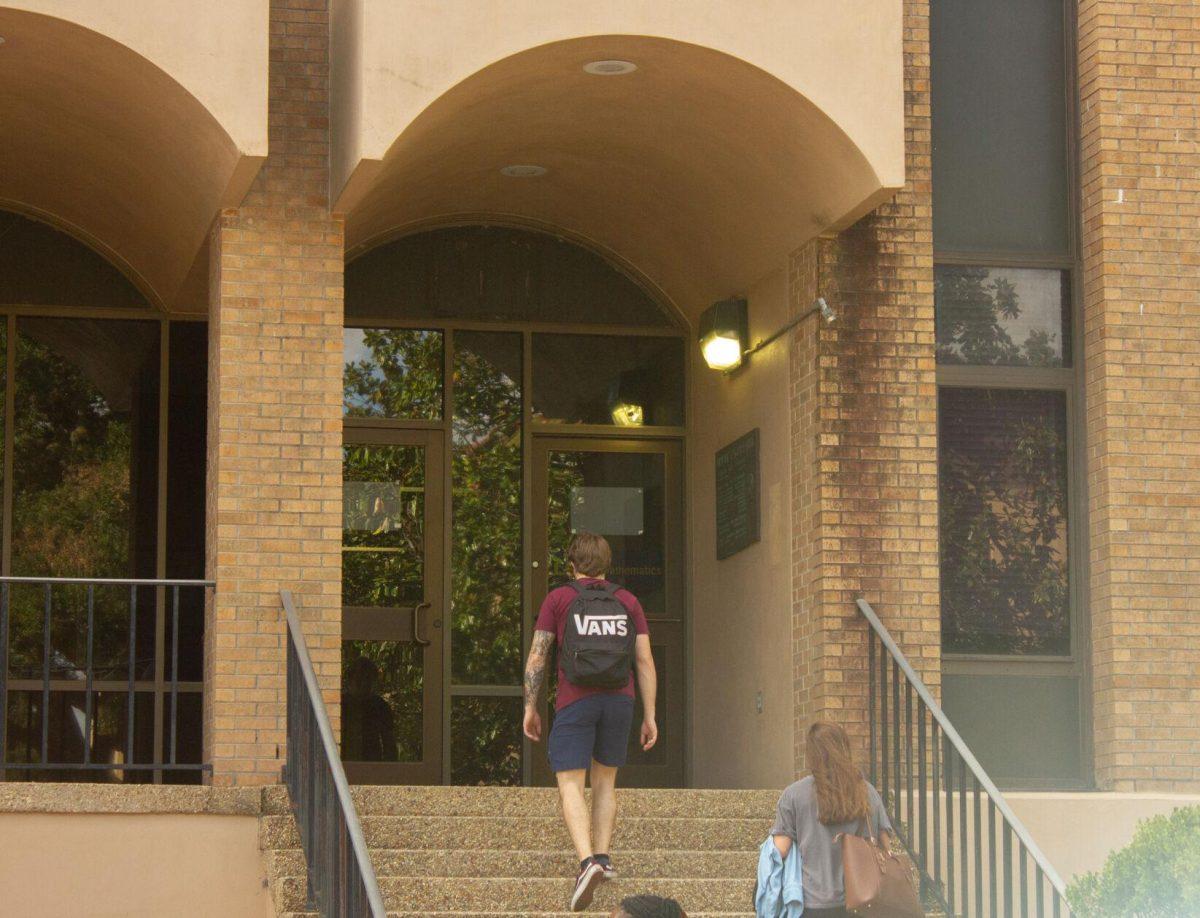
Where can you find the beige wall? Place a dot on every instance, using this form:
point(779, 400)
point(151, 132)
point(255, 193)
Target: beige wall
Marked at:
point(216, 51)
point(746, 129)
point(120, 865)
point(131, 125)
point(843, 57)
point(1077, 832)
point(741, 607)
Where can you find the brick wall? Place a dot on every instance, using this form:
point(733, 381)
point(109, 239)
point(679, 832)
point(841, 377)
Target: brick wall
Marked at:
point(274, 461)
point(873, 402)
point(807, 503)
point(1139, 81)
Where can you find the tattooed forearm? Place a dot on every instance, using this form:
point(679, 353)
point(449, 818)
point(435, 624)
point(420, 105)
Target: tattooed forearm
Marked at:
point(535, 669)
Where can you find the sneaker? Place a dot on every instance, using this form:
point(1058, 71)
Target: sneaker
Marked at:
point(610, 872)
point(591, 875)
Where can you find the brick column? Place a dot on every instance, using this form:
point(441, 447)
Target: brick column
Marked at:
point(274, 443)
point(864, 422)
point(1139, 82)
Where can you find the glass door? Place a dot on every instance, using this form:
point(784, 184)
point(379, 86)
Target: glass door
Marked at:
point(392, 598)
point(629, 491)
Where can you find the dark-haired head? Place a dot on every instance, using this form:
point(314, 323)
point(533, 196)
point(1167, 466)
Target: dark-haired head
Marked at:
point(648, 907)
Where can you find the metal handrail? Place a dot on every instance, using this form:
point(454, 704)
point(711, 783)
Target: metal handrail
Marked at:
point(963, 751)
point(365, 874)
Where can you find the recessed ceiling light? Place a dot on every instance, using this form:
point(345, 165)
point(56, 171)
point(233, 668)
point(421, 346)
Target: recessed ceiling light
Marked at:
point(610, 68)
point(523, 170)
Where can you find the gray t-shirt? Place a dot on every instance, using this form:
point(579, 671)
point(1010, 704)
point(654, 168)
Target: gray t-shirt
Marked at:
point(798, 818)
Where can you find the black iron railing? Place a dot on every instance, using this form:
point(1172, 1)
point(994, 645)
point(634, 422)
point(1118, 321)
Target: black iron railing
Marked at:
point(92, 686)
point(975, 855)
point(341, 879)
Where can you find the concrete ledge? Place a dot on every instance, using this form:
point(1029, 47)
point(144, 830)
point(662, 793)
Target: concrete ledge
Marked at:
point(130, 799)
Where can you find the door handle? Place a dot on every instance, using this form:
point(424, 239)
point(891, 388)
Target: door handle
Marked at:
point(416, 620)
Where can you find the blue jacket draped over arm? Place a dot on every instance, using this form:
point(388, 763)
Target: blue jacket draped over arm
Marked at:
point(780, 889)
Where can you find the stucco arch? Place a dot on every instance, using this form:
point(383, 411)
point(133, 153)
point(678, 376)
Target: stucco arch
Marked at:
point(104, 142)
point(701, 168)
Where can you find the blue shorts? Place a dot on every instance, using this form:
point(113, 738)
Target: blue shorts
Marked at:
point(594, 727)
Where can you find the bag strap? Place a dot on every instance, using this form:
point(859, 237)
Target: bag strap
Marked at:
point(870, 836)
point(601, 586)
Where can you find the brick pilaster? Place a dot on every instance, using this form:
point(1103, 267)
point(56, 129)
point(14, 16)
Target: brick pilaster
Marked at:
point(275, 370)
point(1139, 83)
point(864, 423)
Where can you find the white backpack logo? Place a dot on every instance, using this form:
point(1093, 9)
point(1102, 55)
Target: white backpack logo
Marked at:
point(602, 625)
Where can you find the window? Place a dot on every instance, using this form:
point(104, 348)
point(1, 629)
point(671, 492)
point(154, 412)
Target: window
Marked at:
point(1005, 278)
point(999, 112)
point(628, 381)
point(495, 274)
point(1003, 509)
point(1015, 317)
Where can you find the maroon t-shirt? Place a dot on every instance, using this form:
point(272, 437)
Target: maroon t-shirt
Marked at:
point(553, 618)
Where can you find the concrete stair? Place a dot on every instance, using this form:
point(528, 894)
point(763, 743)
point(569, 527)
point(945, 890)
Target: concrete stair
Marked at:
point(477, 852)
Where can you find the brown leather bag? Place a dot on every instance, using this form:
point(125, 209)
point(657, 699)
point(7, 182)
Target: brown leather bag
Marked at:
point(878, 882)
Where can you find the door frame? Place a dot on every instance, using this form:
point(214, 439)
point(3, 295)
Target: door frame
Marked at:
point(674, 772)
point(404, 623)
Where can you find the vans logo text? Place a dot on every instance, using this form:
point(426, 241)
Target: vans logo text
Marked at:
point(601, 625)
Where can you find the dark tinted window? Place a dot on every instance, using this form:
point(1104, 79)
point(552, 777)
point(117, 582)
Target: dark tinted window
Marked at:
point(999, 126)
point(85, 484)
point(42, 266)
point(1002, 491)
point(598, 379)
point(495, 274)
point(1002, 316)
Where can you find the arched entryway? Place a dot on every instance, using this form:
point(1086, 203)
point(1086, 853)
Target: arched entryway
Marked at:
point(503, 388)
point(704, 166)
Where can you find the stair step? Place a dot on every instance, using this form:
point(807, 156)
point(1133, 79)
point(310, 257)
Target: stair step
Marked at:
point(543, 864)
point(535, 832)
point(374, 800)
point(432, 895)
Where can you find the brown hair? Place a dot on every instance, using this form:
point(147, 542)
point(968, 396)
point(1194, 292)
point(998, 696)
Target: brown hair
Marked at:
point(589, 554)
point(841, 790)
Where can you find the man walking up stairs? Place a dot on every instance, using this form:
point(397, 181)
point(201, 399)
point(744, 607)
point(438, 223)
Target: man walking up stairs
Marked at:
point(602, 637)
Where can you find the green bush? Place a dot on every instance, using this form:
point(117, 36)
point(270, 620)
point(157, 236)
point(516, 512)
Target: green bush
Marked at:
point(1156, 876)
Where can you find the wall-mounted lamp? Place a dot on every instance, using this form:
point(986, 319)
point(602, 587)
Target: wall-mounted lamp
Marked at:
point(723, 331)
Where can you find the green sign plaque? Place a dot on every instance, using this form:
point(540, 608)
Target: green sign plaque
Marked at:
point(738, 485)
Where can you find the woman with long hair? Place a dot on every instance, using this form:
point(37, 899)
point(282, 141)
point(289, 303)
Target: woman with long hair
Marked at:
point(833, 800)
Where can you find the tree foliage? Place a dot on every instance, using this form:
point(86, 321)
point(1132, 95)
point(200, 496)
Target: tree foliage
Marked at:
point(1003, 480)
point(1156, 876)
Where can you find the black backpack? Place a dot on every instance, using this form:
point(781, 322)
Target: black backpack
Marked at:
point(599, 639)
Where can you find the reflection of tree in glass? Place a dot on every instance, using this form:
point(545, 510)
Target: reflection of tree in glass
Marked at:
point(486, 740)
point(72, 513)
point(383, 525)
point(1003, 508)
point(401, 377)
point(383, 562)
point(486, 588)
point(973, 304)
point(382, 703)
point(566, 476)
point(73, 517)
